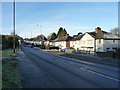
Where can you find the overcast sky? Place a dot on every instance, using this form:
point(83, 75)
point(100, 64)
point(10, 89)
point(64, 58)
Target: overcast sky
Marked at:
point(73, 16)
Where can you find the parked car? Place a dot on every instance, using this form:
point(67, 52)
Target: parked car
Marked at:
point(54, 48)
point(32, 46)
point(67, 49)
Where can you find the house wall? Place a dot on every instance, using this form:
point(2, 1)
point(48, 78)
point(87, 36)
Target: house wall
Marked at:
point(100, 45)
point(75, 44)
point(87, 41)
point(51, 43)
point(111, 44)
point(37, 42)
point(72, 44)
point(61, 44)
point(106, 45)
point(46, 42)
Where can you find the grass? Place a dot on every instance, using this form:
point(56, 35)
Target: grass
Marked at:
point(10, 70)
point(10, 74)
point(7, 52)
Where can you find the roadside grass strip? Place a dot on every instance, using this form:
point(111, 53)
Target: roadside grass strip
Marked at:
point(10, 74)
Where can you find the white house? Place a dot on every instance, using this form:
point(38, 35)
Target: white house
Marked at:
point(99, 41)
point(63, 42)
point(76, 42)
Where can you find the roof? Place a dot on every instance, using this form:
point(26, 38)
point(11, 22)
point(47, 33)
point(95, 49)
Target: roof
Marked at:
point(78, 38)
point(93, 34)
point(101, 35)
point(65, 38)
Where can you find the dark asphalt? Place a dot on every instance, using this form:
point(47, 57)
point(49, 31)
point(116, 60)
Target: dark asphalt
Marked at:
point(44, 70)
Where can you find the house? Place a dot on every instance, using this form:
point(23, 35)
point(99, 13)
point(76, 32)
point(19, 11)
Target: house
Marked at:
point(46, 42)
point(76, 42)
point(99, 41)
point(63, 42)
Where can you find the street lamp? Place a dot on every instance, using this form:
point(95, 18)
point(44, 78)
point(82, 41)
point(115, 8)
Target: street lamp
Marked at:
point(14, 26)
point(41, 30)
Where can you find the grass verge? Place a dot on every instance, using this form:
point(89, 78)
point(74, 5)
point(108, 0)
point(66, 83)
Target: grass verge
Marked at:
point(10, 74)
point(7, 52)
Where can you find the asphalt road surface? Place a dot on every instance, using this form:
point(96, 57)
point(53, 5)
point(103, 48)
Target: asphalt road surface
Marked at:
point(52, 71)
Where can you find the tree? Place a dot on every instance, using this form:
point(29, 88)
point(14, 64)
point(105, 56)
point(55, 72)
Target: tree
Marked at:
point(115, 31)
point(65, 32)
point(53, 36)
point(80, 33)
point(61, 32)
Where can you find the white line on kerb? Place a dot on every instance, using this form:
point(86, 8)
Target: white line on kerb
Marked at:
point(100, 74)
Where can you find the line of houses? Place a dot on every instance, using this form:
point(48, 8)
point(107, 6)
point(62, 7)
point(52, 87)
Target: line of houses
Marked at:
point(96, 41)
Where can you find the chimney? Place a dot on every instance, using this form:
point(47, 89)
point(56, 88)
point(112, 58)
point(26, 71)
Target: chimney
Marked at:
point(99, 33)
point(98, 29)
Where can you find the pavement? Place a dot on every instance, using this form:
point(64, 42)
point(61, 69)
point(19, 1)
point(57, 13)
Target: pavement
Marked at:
point(44, 70)
point(32, 75)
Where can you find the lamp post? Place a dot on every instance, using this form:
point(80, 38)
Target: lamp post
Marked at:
point(40, 28)
point(14, 26)
point(41, 32)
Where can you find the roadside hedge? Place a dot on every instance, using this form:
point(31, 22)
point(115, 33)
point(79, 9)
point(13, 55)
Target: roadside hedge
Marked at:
point(7, 41)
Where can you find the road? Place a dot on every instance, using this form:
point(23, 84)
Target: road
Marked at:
point(62, 72)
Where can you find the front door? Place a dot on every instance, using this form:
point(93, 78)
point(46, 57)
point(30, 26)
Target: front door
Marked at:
point(67, 43)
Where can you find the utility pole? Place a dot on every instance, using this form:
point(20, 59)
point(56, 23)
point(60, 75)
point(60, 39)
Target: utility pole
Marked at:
point(14, 26)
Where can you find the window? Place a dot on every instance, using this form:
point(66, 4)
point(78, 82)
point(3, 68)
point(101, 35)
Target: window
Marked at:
point(113, 41)
point(107, 49)
point(99, 40)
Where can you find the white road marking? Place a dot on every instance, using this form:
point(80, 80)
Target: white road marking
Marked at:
point(101, 74)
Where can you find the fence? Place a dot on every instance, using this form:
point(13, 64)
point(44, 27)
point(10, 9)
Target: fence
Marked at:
point(85, 52)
